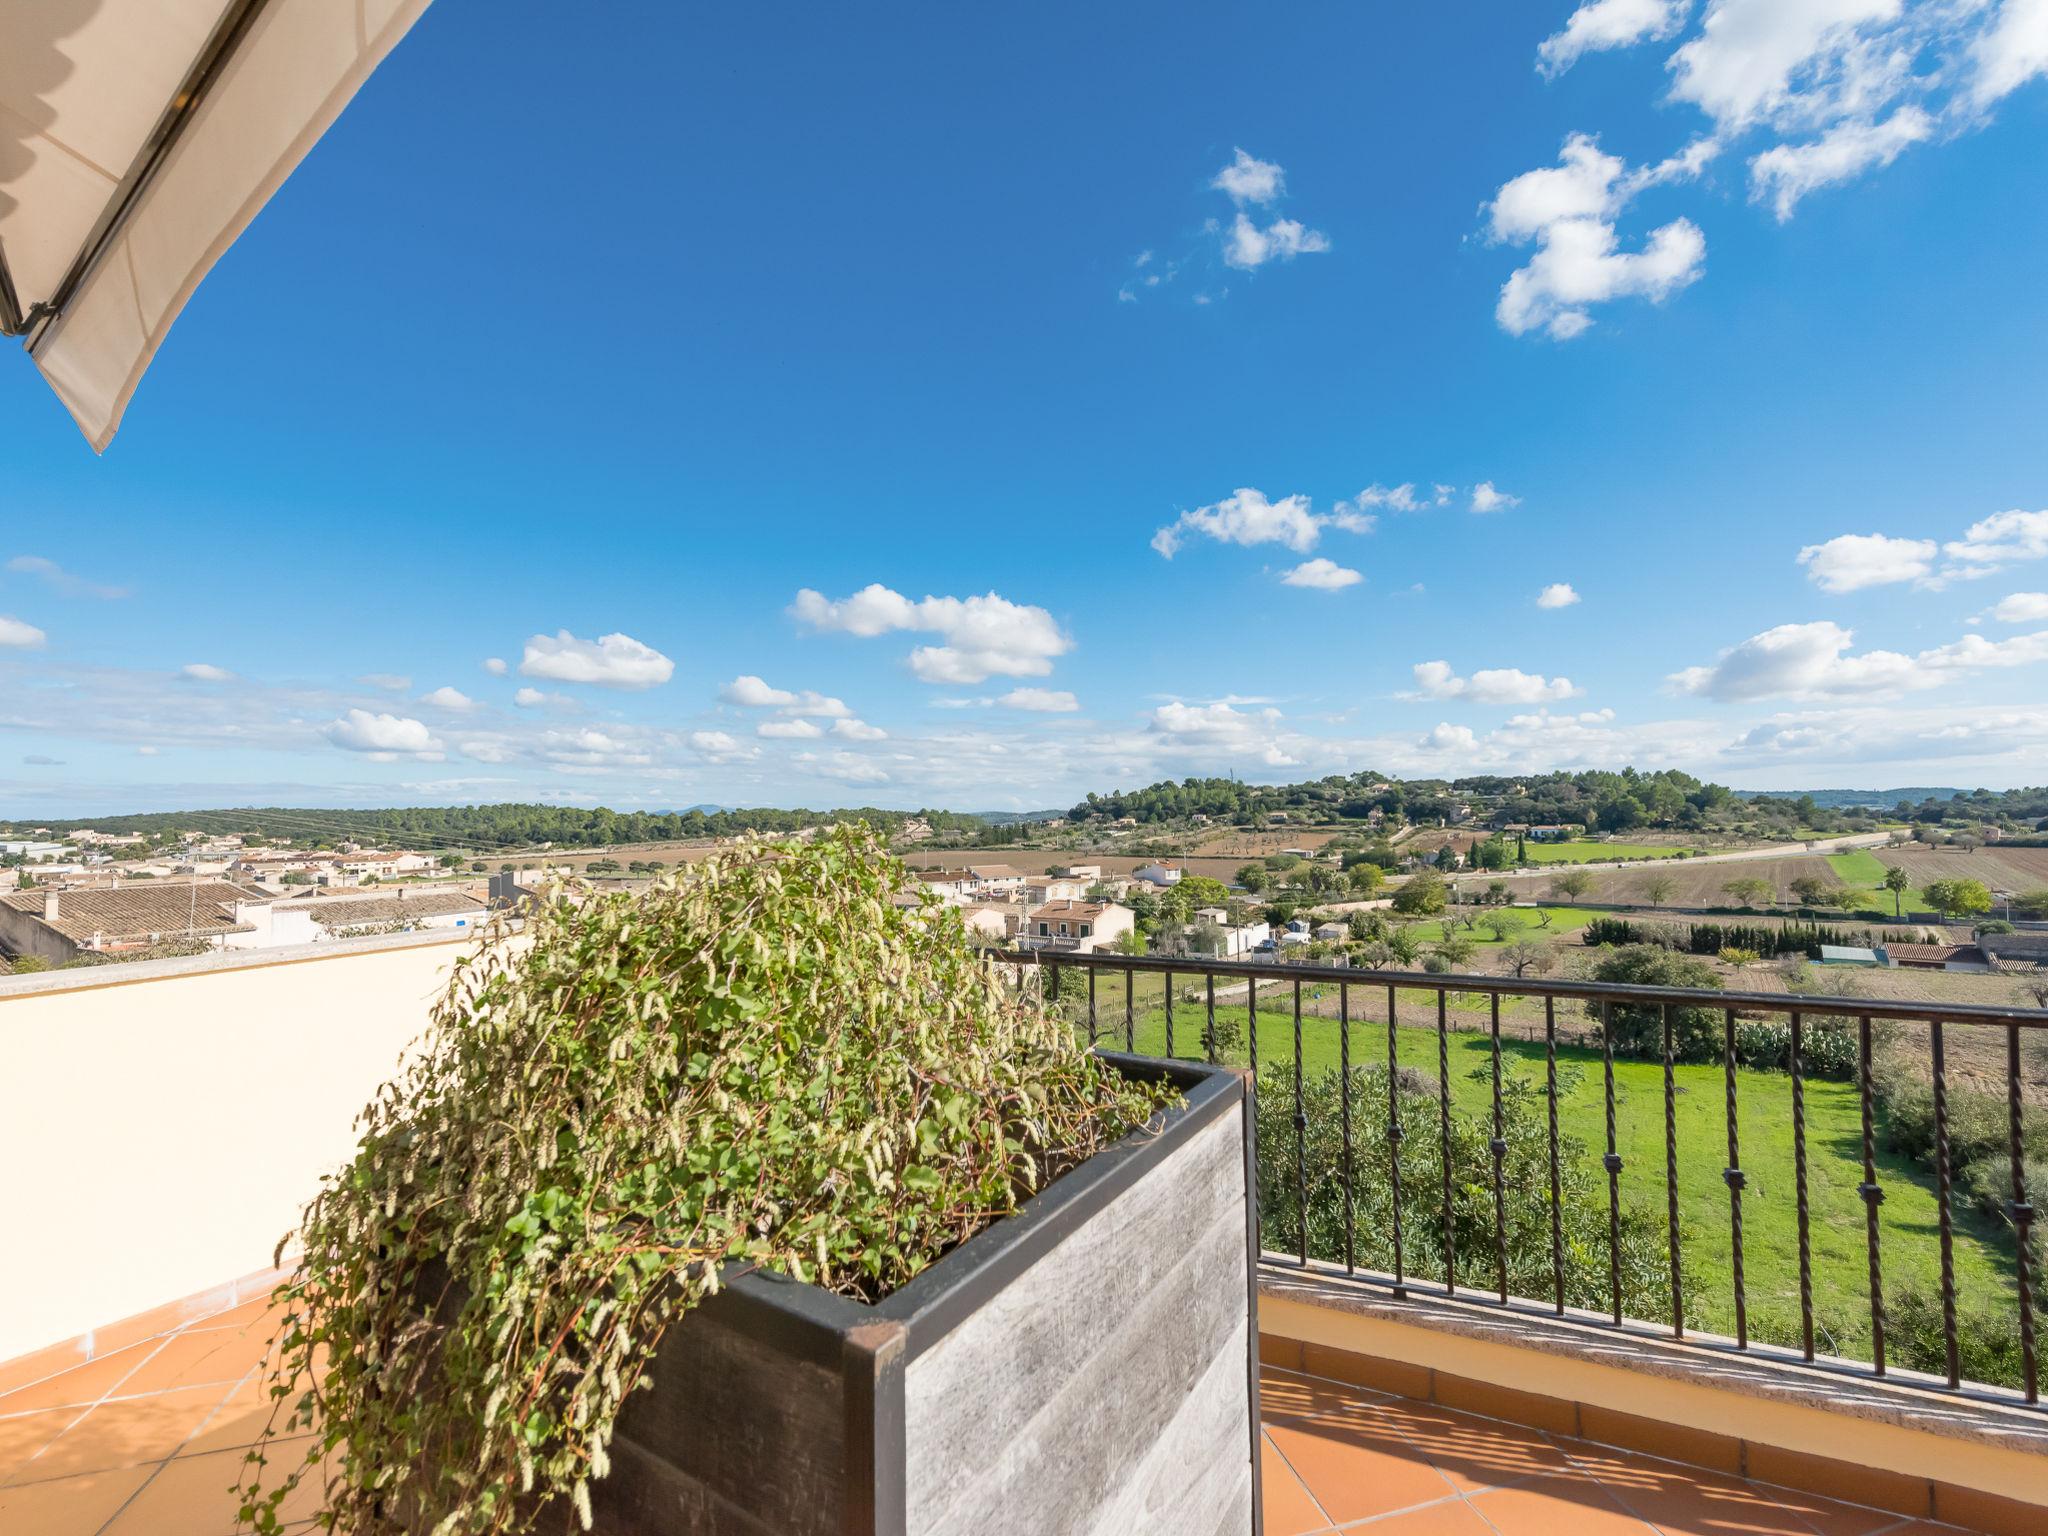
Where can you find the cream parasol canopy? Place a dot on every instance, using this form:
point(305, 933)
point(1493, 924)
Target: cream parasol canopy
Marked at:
point(138, 138)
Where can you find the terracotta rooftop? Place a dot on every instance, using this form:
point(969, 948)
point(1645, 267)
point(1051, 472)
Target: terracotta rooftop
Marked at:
point(385, 908)
point(136, 911)
point(149, 1440)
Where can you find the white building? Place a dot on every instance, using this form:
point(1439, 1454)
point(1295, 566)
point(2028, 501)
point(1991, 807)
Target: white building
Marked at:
point(33, 850)
point(1161, 875)
point(1081, 926)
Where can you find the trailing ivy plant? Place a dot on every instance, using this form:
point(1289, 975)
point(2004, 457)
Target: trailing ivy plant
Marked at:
point(762, 1060)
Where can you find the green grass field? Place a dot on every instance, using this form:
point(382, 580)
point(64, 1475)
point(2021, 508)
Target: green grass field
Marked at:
point(1862, 873)
point(1908, 1215)
point(1594, 853)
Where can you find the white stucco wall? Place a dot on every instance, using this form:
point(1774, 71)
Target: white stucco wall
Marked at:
point(163, 1122)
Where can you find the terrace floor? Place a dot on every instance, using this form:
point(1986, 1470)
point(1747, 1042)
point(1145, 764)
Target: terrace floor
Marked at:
point(149, 1441)
point(1342, 1458)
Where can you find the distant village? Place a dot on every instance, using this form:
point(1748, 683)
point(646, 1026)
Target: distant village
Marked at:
point(98, 896)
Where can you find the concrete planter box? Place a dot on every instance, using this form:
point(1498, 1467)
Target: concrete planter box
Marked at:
point(1088, 1366)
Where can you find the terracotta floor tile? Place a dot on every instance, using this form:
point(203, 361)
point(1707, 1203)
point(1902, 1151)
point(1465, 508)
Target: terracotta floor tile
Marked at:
point(1552, 1506)
point(1688, 1501)
point(192, 1496)
point(1357, 1473)
point(69, 1506)
point(197, 1357)
point(1453, 1517)
point(125, 1434)
point(1290, 1511)
point(82, 1384)
point(1477, 1453)
point(1286, 1396)
point(24, 1435)
point(244, 1415)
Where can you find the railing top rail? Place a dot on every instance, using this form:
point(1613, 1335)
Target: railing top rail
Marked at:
point(1808, 1005)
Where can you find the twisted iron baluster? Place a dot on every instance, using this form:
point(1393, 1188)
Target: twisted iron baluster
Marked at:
point(1612, 1162)
point(1735, 1179)
point(1211, 1051)
point(1943, 1190)
point(1873, 1196)
point(1344, 1072)
point(1499, 1148)
point(1556, 1191)
point(1671, 1182)
point(2020, 1211)
point(1394, 1134)
point(1443, 1099)
point(1300, 1134)
point(1799, 1177)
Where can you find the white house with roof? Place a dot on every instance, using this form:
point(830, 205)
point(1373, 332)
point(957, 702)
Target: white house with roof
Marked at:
point(1161, 875)
point(1081, 926)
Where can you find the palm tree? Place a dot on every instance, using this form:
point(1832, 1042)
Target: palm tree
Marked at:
point(1898, 882)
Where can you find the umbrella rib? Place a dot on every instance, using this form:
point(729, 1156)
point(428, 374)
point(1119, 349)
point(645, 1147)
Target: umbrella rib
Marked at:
point(184, 105)
point(10, 301)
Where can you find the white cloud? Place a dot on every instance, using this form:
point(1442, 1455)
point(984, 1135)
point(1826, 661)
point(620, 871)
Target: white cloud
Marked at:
point(2004, 538)
point(1247, 516)
point(2022, 608)
point(145, 751)
point(2011, 51)
point(1248, 247)
point(858, 730)
point(1249, 180)
point(205, 672)
point(62, 581)
point(1399, 498)
point(1043, 701)
point(1756, 59)
point(1486, 499)
point(615, 661)
point(847, 768)
point(719, 747)
point(495, 665)
point(984, 636)
point(1323, 575)
point(1857, 560)
point(750, 692)
point(1559, 594)
point(1568, 210)
point(788, 730)
point(533, 698)
point(1445, 737)
point(1602, 24)
point(17, 633)
point(445, 697)
point(1494, 685)
point(390, 682)
point(1787, 172)
point(1814, 661)
point(383, 737)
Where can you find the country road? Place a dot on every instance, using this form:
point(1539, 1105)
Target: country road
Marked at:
point(1820, 847)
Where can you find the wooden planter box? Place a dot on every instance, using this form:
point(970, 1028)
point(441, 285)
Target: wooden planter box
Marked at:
point(1087, 1366)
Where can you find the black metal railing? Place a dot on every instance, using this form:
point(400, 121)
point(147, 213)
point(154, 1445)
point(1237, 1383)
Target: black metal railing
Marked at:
point(1132, 1028)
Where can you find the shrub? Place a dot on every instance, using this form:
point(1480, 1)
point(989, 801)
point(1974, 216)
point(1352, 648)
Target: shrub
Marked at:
point(1646, 1283)
point(1987, 1342)
point(759, 1059)
point(1826, 1050)
point(1639, 1027)
point(1422, 896)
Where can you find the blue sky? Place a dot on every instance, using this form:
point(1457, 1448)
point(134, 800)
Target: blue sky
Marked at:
point(643, 330)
